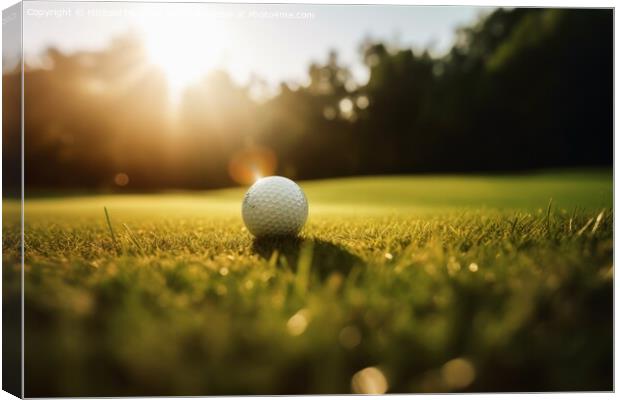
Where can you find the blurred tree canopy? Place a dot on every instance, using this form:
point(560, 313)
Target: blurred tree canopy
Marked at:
point(521, 89)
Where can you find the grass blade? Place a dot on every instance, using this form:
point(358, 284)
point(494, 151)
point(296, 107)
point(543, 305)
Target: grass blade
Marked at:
point(599, 218)
point(549, 215)
point(273, 260)
point(513, 226)
point(303, 268)
point(107, 218)
point(582, 230)
point(133, 238)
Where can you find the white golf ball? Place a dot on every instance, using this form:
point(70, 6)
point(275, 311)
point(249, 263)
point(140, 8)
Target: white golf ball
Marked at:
point(274, 206)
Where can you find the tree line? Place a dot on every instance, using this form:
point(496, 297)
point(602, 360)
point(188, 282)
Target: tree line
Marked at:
point(520, 89)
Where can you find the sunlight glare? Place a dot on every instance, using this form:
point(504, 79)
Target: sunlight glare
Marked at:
point(252, 163)
point(184, 50)
point(257, 173)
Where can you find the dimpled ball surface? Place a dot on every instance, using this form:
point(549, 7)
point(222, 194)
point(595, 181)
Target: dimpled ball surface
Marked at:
point(274, 206)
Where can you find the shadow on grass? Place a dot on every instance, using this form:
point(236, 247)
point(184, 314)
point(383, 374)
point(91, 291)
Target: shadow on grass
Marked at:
point(327, 257)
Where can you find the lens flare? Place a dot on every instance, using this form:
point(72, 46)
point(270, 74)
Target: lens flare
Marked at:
point(121, 179)
point(250, 164)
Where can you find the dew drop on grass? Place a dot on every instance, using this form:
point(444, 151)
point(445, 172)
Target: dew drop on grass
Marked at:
point(369, 381)
point(458, 373)
point(362, 102)
point(298, 323)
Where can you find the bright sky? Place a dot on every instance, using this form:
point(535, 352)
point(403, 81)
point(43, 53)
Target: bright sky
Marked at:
point(275, 42)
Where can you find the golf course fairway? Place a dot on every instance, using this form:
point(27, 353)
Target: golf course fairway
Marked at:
point(396, 284)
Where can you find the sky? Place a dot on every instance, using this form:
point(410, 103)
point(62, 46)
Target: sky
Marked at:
point(274, 42)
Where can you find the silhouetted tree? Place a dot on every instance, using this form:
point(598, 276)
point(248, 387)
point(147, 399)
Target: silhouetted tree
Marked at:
point(521, 88)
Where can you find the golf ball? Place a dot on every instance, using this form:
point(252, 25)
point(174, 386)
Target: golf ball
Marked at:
point(274, 206)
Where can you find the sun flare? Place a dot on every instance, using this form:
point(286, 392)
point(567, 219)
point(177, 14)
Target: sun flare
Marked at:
point(184, 52)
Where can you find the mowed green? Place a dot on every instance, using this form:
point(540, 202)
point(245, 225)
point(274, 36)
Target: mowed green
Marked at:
point(397, 284)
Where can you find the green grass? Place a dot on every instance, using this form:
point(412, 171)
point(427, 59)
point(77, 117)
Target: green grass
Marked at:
point(440, 283)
